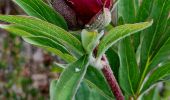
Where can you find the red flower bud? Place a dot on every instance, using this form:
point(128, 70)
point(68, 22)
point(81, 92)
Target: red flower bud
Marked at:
point(86, 9)
point(80, 12)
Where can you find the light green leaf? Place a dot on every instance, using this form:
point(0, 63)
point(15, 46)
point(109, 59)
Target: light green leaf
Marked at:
point(90, 40)
point(42, 40)
point(59, 34)
point(51, 46)
point(27, 31)
point(118, 33)
point(16, 30)
point(156, 76)
point(39, 9)
point(128, 71)
point(70, 79)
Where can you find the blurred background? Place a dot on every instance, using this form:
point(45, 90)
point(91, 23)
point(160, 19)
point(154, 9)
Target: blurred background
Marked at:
point(26, 71)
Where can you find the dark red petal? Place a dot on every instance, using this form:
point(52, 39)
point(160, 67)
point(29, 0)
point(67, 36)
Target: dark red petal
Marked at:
point(86, 9)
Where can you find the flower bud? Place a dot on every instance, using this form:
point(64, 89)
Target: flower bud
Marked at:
point(78, 13)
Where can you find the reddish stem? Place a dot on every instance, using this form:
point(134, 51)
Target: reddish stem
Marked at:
point(107, 71)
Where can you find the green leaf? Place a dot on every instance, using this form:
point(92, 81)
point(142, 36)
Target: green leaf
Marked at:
point(70, 79)
point(39, 9)
point(83, 92)
point(94, 95)
point(53, 89)
point(51, 46)
point(96, 80)
point(153, 94)
point(42, 40)
point(26, 31)
point(127, 10)
point(144, 10)
point(156, 76)
point(128, 71)
point(90, 40)
point(118, 33)
point(87, 93)
point(162, 56)
point(13, 29)
point(56, 69)
point(76, 34)
point(152, 35)
point(59, 34)
point(164, 37)
point(161, 24)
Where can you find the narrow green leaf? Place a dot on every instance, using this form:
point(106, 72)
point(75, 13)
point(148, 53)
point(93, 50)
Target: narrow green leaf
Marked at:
point(162, 56)
point(164, 37)
point(70, 79)
point(39, 25)
point(118, 33)
point(128, 10)
point(39, 9)
point(41, 39)
point(14, 30)
point(128, 71)
point(26, 31)
point(76, 34)
point(144, 10)
point(156, 76)
point(161, 25)
point(51, 46)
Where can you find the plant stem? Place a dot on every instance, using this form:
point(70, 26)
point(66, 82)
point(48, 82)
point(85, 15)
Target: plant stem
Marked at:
point(107, 71)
